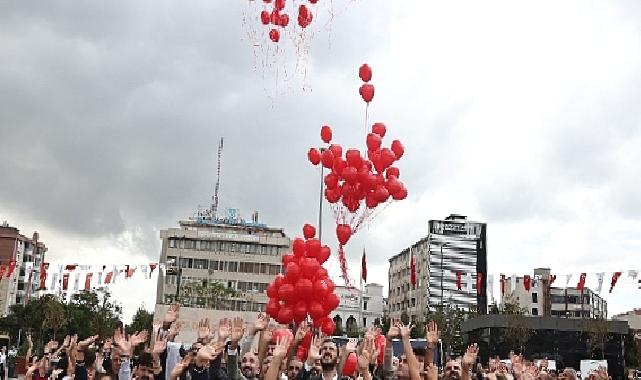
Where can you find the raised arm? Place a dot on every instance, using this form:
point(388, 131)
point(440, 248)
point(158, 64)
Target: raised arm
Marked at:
point(279, 354)
point(412, 362)
point(469, 359)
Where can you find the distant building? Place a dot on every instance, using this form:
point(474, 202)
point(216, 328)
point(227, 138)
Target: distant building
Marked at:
point(351, 315)
point(452, 245)
point(26, 254)
point(240, 255)
point(633, 318)
point(543, 300)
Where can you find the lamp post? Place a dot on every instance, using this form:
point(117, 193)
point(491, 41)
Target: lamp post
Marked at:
point(320, 200)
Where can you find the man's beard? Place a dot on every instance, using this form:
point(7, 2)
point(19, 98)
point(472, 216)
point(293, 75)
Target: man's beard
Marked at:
point(452, 375)
point(248, 372)
point(327, 363)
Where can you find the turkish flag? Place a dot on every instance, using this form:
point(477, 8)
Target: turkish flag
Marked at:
point(527, 282)
point(43, 275)
point(581, 285)
point(459, 284)
point(615, 278)
point(502, 284)
point(65, 281)
point(552, 279)
point(152, 266)
point(364, 267)
point(88, 281)
point(413, 270)
point(479, 282)
point(108, 277)
point(11, 268)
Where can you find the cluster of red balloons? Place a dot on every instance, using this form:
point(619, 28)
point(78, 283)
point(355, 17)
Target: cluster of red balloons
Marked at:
point(305, 289)
point(275, 17)
point(279, 18)
point(354, 179)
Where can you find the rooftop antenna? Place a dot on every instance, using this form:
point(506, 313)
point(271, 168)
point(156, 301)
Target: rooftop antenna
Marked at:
point(214, 205)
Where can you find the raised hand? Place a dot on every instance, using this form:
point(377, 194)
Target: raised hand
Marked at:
point(180, 367)
point(238, 329)
point(224, 329)
point(282, 347)
point(122, 342)
point(431, 371)
point(29, 341)
point(470, 356)
point(301, 331)
point(394, 330)
point(65, 343)
point(100, 358)
point(261, 322)
point(367, 349)
point(160, 344)
point(87, 342)
point(138, 338)
point(432, 334)
point(204, 330)
point(172, 314)
point(107, 346)
point(405, 330)
point(314, 349)
point(174, 330)
point(210, 351)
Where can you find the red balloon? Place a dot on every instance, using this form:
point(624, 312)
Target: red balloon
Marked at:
point(309, 231)
point(283, 20)
point(370, 200)
point(307, 339)
point(274, 17)
point(285, 315)
point(316, 310)
point(304, 289)
point(287, 293)
point(313, 247)
point(265, 17)
point(287, 258)
point(353, 158)
point(328, 327)
point(333, 195)
point(379, 129)
point(343, 232)
point(300, 311)
point(393, 185)
point(331, 302)
point(330, 286)
point(321, 274)
point(272, 308)
point(279, 280)
point(304, 16)
point(318, 322)
point(402, 194)
point(267, 1)
point(350, 174)
point(349, 368)
point(392, 171)
point(282, 333)
point(336, 149)
point(298, 246)
point(377, 159)
point(314, 156)
point(320, 290)
point(323, 254)
point(308, 267)
point(387, 158)
point(327, 158)
point(374, 141)
point(326, 133)
point(292, 273)
point(274, 35)
point(331, 180)
point(398, 149)
point(272, 291)
point(279, 4)
point(339, 166)
point(313, 1)
point(381, 194)
point(365, 72)
point(367, 92)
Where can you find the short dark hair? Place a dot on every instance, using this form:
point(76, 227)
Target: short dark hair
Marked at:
point(146, 359)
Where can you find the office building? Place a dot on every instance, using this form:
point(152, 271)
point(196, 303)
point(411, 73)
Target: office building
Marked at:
point(21, 256)
point(633, 317)
point(544, 300)
point(453, 245)
point(243, 256)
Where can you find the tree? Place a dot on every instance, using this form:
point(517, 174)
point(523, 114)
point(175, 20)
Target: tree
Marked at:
point(517, 332)
point(597, 333)
point(449, 321)
point(143, 320)
point(206, 294)
point(631, 349)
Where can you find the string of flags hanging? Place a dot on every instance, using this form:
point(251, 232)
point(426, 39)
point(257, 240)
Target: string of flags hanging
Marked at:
point(66, 277)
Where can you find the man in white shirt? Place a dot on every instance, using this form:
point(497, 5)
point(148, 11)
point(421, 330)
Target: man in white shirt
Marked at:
point(3, 362)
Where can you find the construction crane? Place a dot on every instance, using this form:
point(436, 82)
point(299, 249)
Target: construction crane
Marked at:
point(214, 198)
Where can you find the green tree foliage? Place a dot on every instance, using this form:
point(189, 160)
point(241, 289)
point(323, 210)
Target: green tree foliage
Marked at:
point(48, 317)
point(449, 320)
point(631, 348)
point(597, 334)
point(143, 320)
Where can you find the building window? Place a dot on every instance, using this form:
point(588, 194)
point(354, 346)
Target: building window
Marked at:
point(172, 243)
point(535, 311)
point(535, 298)
point(365, 305)
point(201, 264)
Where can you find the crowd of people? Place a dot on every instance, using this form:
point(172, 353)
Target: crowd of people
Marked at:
point(236, 350)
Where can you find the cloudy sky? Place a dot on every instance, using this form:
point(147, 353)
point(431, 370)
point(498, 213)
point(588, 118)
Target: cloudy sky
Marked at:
point(524, 116)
